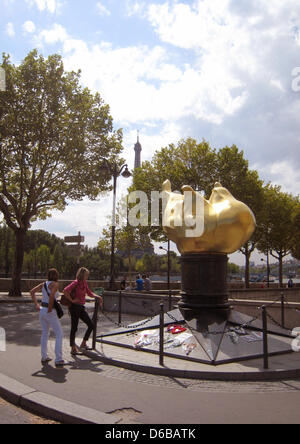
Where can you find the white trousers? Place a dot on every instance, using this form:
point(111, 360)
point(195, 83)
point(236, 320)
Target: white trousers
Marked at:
point(50, 320)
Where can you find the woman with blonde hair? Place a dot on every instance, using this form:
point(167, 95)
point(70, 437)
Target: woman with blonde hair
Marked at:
point(76, 293)
point(48, 316)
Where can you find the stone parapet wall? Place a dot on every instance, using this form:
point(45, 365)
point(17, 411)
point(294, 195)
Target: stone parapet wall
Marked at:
point(27, 284)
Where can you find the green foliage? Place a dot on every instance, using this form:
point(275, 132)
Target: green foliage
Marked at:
point(35, 238)
point(140, 266)
point(188, 162)
point(7, 249)
point(52, 134)
point(175, 266)
point(233, 268)
point(200, 166)
point(43, 258)
point(58, 258)
point(296, 237)
point(279, 226)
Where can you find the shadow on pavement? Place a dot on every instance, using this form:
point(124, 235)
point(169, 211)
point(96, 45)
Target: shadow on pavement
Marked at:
point(22, 326)
point(85, 364)
point(59, 376)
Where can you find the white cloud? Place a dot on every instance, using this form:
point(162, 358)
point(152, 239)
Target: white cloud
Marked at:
point(10, 29)
point(51, 6)
point(29, 27)
point(220, 70)
point(87, 217)
point(155, 87)
point(50, 36)
point(134, 7)
point(283, 173)
point(102, 10)
point(167, 134)
point(228, 62)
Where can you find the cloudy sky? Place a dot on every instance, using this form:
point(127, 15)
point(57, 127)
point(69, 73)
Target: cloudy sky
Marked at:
point(223, 70)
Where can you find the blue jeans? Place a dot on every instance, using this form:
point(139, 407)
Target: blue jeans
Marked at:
point(50, 320)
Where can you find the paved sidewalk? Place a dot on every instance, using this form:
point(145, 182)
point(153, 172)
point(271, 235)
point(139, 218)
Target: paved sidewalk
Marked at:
point(135, 397)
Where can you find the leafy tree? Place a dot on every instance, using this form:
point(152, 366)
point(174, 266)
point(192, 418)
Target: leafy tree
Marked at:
point(35, 238)
point(6, 249)
point(30, 263)
point(296, 236)
point(98, 264)
point(199, 165)
point(278, 225)
point(129, 263)
point(71, 267)
point(187, 163)
point(52, 134)
point(140, 266)
point(127, 238)
point(233, 268)
point(58, 258)
point(148, 262)
point(43, 258)
point(246, 186)
point(174, 263)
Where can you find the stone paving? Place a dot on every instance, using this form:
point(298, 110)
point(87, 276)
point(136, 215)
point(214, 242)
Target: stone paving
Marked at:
point(129, 375)
point(134, 395)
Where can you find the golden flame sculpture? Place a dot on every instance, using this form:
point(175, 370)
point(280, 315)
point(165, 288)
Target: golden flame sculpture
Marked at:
point(222, 224)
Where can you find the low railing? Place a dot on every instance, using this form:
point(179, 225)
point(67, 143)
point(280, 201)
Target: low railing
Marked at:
point(264, 310)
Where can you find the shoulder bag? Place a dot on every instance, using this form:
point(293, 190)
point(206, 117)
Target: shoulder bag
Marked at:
point(65, 301)
point(56, 304)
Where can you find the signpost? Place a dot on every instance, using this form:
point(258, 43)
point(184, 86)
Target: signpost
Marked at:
point(76, 249)
point(74, 239)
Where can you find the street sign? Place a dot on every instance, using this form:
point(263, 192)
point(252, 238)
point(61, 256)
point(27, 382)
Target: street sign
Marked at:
point(74, 239)
point(75, 248)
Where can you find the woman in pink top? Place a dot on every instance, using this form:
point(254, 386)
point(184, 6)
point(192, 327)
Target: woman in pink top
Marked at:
point(77, 310)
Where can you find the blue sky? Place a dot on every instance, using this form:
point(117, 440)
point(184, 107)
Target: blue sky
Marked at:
point(214, 69)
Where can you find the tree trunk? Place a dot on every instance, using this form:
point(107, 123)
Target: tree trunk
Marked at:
point(15, 290)
point(7, 247)
point(280, 258)
point(7, 263)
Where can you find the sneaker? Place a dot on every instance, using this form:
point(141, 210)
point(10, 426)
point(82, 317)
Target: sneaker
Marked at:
point(59, 364)
point(86, 348)
point(46, 361)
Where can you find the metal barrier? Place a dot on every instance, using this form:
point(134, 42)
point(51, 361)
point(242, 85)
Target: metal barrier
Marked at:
point(282, 310)
point(120, 307)
point(265, 316)
point(265, 337)
point(161, 334)
point(99, 292)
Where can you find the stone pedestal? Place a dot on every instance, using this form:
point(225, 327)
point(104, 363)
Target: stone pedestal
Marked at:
point(204, 283)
